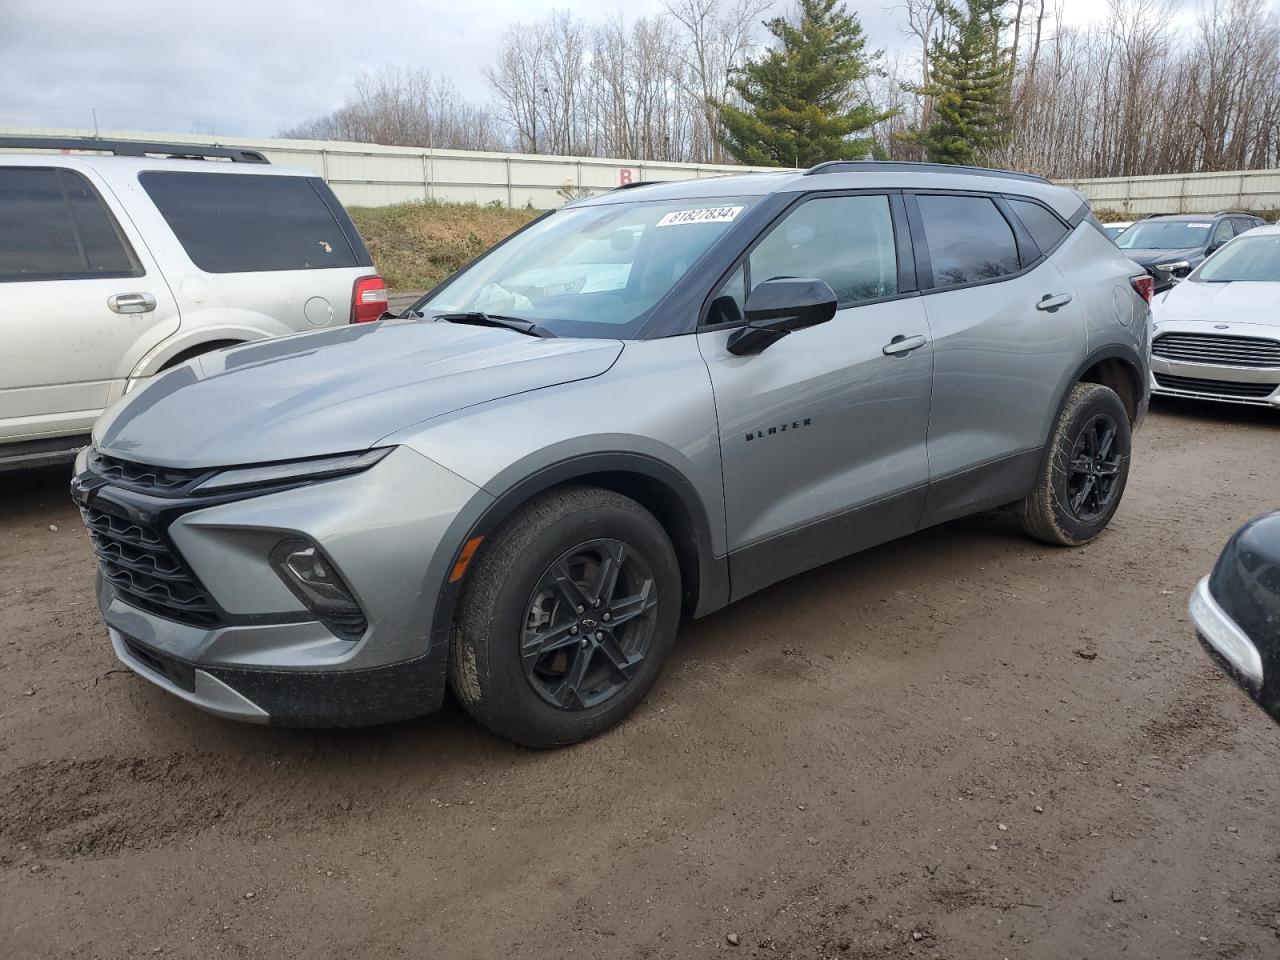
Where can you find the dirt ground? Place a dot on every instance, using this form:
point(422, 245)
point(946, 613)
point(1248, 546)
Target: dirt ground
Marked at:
point(960, 745)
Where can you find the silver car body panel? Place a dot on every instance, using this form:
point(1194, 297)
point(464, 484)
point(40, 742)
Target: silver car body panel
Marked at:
point(296, 397)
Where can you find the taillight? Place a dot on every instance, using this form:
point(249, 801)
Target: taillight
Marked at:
point(368, 299)
point(1145, 285)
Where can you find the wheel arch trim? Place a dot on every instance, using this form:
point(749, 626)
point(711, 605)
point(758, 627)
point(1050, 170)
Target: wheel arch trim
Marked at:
point(692, 540)
point(1112, 351)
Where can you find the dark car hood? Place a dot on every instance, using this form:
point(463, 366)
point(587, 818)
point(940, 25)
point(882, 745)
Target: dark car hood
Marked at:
point(1147, 257)
point(334, 391)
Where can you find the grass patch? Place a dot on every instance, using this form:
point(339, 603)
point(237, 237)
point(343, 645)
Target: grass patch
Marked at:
point(416, 245)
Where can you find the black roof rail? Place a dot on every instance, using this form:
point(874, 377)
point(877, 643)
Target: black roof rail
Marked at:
point(1199, 216)
point(637, 183)
point(135, 148)
point(912, 166)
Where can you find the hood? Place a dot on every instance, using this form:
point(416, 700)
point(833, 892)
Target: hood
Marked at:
point(1240, 302)
point(1148, 257)
point(333, 391)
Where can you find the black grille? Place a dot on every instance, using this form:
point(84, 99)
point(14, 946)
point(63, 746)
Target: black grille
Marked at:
point(143, 572)
point(1219, 350)
point(1219, 388)
point(161, 481)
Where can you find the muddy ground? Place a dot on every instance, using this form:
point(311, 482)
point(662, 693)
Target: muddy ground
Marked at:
point(960, 745)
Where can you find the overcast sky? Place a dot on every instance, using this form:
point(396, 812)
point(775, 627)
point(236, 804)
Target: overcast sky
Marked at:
point(255, 66)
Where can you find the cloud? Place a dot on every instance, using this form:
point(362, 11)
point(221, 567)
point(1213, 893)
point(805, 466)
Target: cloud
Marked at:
point(256, 66)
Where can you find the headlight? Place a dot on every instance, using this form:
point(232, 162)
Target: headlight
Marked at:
point(1174, 266)
point(290, 471)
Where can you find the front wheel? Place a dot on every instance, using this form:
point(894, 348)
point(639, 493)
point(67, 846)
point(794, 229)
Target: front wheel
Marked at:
point(570, 611)
point(1084, 471)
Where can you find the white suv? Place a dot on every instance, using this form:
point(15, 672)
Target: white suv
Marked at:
point(117, 264)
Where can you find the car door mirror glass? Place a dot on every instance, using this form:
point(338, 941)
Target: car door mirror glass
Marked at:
point(780, 306)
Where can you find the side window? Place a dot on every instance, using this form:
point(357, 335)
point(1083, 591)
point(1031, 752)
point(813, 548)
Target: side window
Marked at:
point(846, 241)
point(54, 226)
point(1240, 225)
point(1045, 228)
point(969, 239)
point(1222, 232)
point(240, 223)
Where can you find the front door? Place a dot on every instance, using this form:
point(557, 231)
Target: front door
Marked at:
point(822, 435)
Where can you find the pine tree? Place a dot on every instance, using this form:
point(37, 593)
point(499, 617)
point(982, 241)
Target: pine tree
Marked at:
point(970, 73)
point(801, 97)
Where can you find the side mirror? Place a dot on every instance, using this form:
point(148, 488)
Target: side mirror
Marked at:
point(777, 307)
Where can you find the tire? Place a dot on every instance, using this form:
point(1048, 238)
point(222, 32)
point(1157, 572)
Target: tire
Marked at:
point(518, 641)
point(1080, 483)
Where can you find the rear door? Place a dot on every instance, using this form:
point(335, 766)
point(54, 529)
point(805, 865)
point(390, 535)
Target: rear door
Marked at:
point(1005, 325)
point(81, 301)
point(822, 435)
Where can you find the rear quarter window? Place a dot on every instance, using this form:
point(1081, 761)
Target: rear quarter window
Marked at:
point(250, 223)
point(1045, 227)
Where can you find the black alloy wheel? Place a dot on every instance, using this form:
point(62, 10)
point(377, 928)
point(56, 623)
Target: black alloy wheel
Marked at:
point(589, 624)
point(1095, 466)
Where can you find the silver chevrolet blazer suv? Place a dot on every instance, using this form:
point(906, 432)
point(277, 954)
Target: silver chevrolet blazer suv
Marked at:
point(639, 408)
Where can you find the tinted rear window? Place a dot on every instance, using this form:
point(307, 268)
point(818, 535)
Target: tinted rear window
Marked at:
point(54, 226)
point(244, 224)
point(1045, 228)
point(969, 239)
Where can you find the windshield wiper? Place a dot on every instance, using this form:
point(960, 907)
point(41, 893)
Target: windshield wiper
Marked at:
point(481, 319)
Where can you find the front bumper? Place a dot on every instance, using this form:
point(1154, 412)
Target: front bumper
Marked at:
point(343, 698)
point(392, 531)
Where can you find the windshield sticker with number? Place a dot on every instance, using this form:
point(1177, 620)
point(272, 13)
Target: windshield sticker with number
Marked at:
point(678, 218)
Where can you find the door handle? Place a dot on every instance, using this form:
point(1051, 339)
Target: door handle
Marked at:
point(1051, 302)
point(132, 303)
point(900, 346)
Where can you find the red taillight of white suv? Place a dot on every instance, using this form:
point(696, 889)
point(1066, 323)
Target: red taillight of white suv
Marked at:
point(368, 299)
point(1145, 285)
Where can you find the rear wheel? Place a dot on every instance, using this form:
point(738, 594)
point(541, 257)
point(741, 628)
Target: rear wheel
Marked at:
point(1084, 470)
point(568, 615)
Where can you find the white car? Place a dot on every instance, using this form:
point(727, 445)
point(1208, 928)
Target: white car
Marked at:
point(116, 267)
point(1217, 333)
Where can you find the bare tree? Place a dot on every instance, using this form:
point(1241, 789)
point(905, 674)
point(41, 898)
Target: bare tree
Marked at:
point(402, 106)
point(715, 39)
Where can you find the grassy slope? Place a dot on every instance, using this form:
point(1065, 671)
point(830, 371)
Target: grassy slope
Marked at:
point(415, 245)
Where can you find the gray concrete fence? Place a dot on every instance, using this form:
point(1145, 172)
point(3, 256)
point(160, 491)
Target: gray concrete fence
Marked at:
point(370, 175)
point(364, 174)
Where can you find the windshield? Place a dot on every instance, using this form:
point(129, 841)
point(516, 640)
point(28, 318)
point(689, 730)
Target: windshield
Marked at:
point(1165, 235)
point(1248, 258)
point(591, 271)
